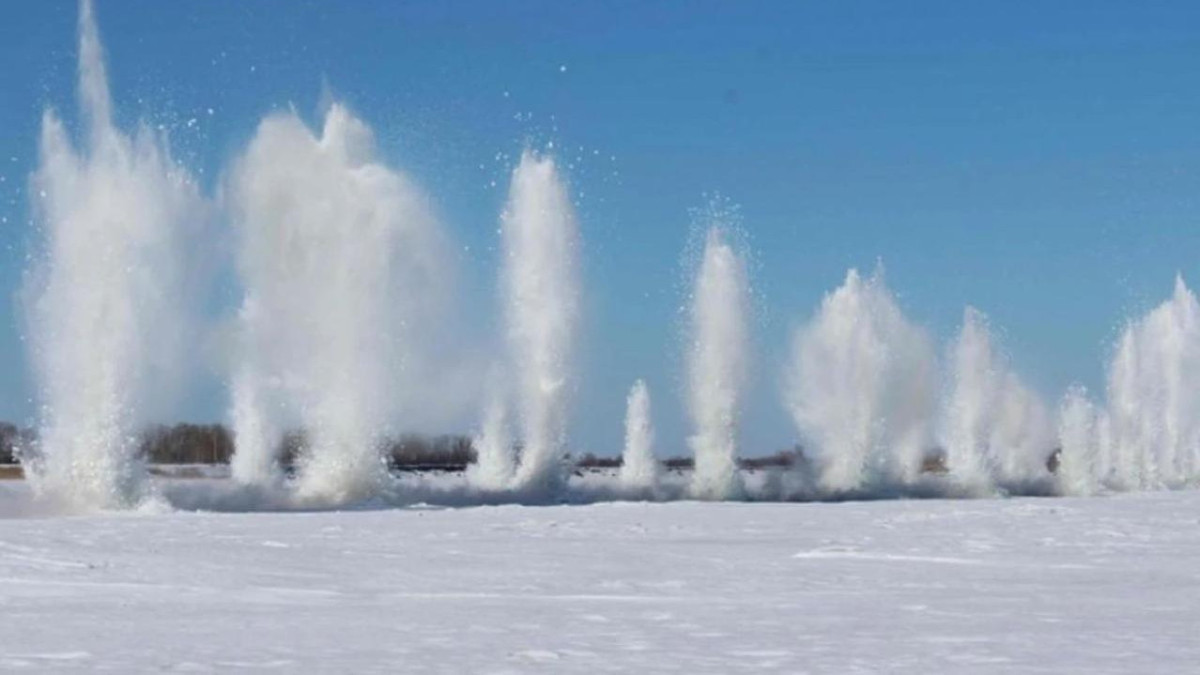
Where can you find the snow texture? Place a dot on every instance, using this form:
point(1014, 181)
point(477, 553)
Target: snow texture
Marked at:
point(1096, 585)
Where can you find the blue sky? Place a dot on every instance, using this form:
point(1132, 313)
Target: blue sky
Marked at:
point(1040, 161)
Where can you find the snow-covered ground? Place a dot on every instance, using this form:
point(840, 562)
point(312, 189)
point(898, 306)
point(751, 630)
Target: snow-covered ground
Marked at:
point(1093, 585)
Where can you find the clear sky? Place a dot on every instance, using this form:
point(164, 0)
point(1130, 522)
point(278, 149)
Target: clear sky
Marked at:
point(1038, 160)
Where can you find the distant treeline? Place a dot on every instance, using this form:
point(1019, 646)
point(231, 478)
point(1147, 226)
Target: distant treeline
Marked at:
point(213, 444)
point(781, 459)
point(11, 438)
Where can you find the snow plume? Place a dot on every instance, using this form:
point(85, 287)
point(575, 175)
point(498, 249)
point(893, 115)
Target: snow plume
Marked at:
point(494, 460)
point(1147, 435)
point(862, 389)
point(717, 365)
point(639, 467)
point(1085, 444)
point(344, 273)
point(540, 281)
point(1154, 396)
point(104, 300)
point(997, 431)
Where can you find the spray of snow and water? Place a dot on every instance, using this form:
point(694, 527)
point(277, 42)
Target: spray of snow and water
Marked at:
point(494, 461)
point(862, 389)
point(105, 302)
point(540, 281)
point(997, 432)
point(639, 467)
point(861, 393)
point(342, 265)
point(1084, 444)
point(345, 276)
point(1148, 434)
point(717, 363)
point(1154, 397)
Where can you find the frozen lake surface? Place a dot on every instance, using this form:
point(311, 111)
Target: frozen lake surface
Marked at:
point(1099, 585)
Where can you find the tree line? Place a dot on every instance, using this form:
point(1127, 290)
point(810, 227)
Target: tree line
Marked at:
point(213, 444)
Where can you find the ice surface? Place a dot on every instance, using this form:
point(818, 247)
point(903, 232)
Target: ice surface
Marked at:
point(1098, 585)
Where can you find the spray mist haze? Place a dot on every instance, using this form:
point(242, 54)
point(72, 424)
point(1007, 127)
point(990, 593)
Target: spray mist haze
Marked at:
point(105, 304)
point(540, 282)
point(346, 338)
point(998, 431)
point(717, 364)
point(343, 268)
point(1154, 395)
point(862, 388)
point(639, 467)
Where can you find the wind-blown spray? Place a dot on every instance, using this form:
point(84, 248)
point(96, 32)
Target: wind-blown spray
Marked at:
point(1084, 444)
point(1154, 396)
point(717, 363)
point(1148, 434)
point(105, 305)
point(256, 431)
point(494, 461)
point(997, 431)
point(541, 291)
point(861, 388)
point(639, 468)
point(343, 268)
